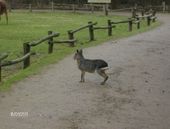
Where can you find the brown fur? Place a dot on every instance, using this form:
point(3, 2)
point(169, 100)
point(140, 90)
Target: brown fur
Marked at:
point(3, 9)
point(87, 65)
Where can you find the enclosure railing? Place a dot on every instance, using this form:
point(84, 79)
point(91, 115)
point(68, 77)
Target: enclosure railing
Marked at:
point(2, 57)
point(50, 38)
point(90, 26)
point(27, 46)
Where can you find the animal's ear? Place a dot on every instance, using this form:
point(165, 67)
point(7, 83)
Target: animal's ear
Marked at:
point(77, 51)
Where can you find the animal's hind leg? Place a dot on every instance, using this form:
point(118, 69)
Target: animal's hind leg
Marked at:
point(82, 76)
point(104, 75)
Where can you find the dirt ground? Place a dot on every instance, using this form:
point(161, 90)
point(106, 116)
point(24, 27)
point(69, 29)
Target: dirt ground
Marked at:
point(136, 96)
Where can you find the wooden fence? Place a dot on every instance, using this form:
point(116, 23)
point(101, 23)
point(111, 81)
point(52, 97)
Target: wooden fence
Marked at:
point(91, 26)
point(2, 57)
point(83, 7)
point(54, 6)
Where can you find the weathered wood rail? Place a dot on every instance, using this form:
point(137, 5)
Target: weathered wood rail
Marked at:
point(16, 61)
point(65, 41)
point(150, 15)
point(129, 22)
point(91, 31)
point(27, 46)
point(2, 57)
point(149, 18)
point(48, 38)
point(91, 26)
point(51, 35)
point(12, 62)
point(137, 21)
point(109, 27)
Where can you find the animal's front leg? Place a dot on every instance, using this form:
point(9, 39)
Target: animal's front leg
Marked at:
point(82, 76)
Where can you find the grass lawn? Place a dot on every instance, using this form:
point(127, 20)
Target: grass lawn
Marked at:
point(24, 27)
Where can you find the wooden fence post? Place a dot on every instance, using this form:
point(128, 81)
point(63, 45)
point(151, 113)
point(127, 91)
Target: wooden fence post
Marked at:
point(154, 19)
point(0, 71)
point(105, 9)
point(130, 24)
point(143, 13)
point(92, 8)
point(50, 43)
point(27, 49)
point(138, 23)
point(71, 37)
point(30, 7)
point(133, 13)
point(74, 8)
point(52, 6)
point(163, 6)
point(109, 28)
point(148, 20)
point(91, 31)
point(154, 15)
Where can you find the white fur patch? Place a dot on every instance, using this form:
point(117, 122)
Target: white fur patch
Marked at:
point(105, 68)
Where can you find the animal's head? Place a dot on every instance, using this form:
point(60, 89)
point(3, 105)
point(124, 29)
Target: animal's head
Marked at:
point(78, 55)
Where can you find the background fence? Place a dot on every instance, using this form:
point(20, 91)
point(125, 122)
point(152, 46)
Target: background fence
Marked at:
point(84, 7)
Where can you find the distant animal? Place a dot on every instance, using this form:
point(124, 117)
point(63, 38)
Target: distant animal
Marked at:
point(87, 65)
point(3, 9)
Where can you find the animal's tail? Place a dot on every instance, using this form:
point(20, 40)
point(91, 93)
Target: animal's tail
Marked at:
point(104, 68)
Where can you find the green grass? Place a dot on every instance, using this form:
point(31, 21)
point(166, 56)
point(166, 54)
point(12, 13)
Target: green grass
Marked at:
point(25, 27)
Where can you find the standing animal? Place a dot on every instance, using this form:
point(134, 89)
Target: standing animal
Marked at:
point(87, 65)
point(3, 9)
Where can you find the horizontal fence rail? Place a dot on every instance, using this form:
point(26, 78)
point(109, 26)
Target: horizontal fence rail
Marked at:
point(51, 35)
point(66, 41)
point(16, 61)
point(119, 22)
point(3, 56)
point(83, 27)
point(129, 21)
point(91, 31)
point(12, 62)
point(144, 16)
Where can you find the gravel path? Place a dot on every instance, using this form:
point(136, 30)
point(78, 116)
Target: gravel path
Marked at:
point(136, 96)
